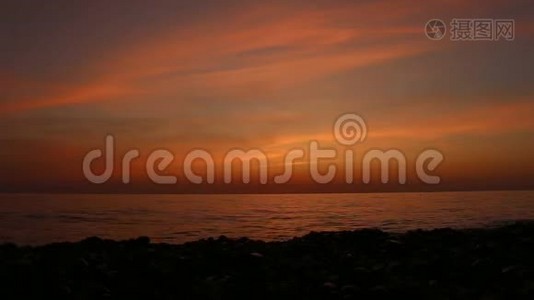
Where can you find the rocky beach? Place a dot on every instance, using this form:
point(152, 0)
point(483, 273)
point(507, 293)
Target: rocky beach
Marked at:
point(491, 263)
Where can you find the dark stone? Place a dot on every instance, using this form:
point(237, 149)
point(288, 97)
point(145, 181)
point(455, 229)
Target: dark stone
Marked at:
point(493, 263)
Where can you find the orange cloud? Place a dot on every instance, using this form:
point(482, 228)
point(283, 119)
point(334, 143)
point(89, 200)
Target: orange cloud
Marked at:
point(483, 119)
point(72, 95)
point(238, 52)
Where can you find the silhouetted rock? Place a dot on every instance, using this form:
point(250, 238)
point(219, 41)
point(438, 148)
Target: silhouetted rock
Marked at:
point(496, 263)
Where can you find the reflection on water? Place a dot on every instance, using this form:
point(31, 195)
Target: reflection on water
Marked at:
point(38, 219)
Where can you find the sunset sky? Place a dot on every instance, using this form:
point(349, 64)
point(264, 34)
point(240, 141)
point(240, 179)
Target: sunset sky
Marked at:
point(272, 75)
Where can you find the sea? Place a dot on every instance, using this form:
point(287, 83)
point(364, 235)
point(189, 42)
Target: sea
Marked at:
point(36, 219)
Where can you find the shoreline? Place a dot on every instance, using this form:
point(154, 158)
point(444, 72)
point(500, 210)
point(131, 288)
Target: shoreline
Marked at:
point(496, 262)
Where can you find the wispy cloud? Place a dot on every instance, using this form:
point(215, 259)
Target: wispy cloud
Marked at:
point(238, 52)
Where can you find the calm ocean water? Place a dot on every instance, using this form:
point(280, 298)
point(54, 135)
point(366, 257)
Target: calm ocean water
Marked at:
point(38, 219)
